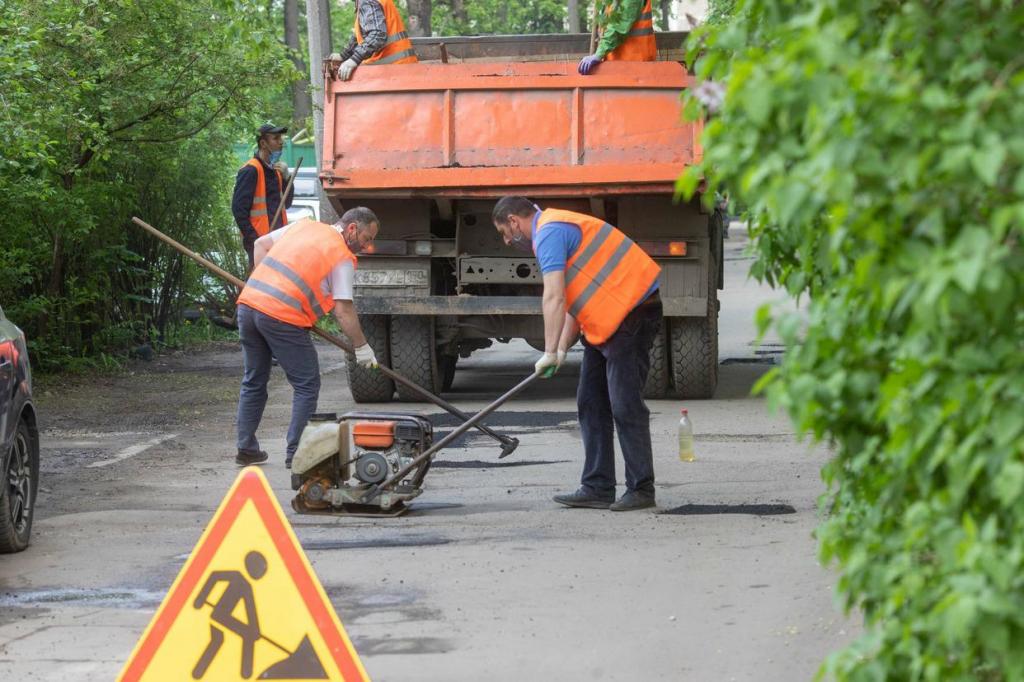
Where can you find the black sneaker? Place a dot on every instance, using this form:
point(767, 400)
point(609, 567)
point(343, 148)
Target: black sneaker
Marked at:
point(288, 462)
point(246, 457)
point(632, 500)
point(585, 498)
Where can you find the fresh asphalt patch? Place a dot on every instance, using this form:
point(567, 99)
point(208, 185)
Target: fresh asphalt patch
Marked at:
point(753, 509)
point(377, 543)
point(480, 464)
point(507, 423)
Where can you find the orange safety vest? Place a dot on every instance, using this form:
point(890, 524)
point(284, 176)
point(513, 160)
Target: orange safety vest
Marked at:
point(258, 213)
point(605, 278)
point(286, 283)
point(639, 45)
point(398, 48)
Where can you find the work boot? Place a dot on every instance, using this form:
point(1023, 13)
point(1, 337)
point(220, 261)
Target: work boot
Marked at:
point(584, 497)
point(632, 500)
point(246, 457)
point(288, 462)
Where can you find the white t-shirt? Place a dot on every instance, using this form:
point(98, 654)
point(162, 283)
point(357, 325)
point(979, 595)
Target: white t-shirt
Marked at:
point(339, 281)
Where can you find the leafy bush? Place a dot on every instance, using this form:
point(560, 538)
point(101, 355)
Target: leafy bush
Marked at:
point(114, 108)
point(879, 147)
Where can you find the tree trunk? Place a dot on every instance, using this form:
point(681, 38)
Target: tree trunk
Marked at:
point(301, 102)
point(574, 16)
point(419, 18)
point(666, 13)
point(318, 32)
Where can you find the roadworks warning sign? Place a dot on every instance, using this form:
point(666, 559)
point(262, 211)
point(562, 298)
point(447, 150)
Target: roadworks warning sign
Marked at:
point(246, 605)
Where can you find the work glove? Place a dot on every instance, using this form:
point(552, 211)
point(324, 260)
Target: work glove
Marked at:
point(547, 365)
point(282, 168)
point(560, 358)
point(347, 68)
point(365, 357)
point(588, 63)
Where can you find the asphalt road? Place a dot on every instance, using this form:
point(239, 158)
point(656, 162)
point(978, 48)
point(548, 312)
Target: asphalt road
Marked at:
point(485, 578)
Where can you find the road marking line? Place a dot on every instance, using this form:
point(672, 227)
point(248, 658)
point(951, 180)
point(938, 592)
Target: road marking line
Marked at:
point(132, 450)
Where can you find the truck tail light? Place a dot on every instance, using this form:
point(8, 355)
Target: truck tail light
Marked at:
point(664, 248)
point(386, 247)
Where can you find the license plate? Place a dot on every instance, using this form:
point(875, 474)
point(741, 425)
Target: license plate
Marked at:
point(391, 278)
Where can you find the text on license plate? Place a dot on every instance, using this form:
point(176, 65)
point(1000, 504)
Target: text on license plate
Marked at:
point(391, 278)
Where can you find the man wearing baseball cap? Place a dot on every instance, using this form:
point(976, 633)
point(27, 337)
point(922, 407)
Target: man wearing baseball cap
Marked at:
point(259, 187)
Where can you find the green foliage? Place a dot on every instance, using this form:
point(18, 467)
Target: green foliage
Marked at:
point(481, 17)
point(112, 109)
point(880, 150)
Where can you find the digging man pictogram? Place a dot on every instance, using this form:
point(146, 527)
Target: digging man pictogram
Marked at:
point(302, 663)
point(238, 590)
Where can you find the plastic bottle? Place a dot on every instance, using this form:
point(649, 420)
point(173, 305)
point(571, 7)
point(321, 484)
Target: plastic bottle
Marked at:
point(686, 438)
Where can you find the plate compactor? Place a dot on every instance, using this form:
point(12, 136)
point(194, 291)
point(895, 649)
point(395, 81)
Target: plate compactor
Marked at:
point(370, 463)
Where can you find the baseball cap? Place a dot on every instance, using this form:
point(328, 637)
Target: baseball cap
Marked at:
point(270, 129)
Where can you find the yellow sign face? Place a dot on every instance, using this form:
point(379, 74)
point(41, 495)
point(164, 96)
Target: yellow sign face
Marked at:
point(246, 605)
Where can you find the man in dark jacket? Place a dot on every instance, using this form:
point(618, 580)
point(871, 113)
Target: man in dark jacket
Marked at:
point(259, 186)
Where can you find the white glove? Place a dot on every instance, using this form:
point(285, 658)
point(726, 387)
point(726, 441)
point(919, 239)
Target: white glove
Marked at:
point(347, 67)
point(365, 357)
point(282, 168)
point(547, 365)
point(560, 359)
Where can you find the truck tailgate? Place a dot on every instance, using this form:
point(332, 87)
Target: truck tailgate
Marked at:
point(483, 129)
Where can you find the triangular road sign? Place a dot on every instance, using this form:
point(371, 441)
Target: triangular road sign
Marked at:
point(246, 605)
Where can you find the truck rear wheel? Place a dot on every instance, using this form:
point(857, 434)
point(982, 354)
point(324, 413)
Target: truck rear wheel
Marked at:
point(694, 351)
point(658, 375)
point(369, 385)
point(413, 354)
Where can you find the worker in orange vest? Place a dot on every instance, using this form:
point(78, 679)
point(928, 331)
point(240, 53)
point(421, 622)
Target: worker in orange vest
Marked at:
point(303, 271)
point(628, 35)
point(598, 281)
point(379, 37)
point(259, 187)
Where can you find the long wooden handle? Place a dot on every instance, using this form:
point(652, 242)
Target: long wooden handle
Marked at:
point(280, 204)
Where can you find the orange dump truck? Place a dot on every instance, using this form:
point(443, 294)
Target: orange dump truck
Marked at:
point(431, 146)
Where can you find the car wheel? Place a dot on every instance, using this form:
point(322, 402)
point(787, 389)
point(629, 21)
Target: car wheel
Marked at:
point(18, 496)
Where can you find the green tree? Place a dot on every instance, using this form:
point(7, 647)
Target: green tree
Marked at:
point(109, 108)
point(879, 147)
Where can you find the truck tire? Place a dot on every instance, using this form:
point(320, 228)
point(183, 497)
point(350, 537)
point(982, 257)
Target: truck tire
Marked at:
point(413, 354)
point(694, 347)
point(658, 375)
point(369, 385)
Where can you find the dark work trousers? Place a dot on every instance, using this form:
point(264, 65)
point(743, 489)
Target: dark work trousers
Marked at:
point(611, 397)
point(262, 337)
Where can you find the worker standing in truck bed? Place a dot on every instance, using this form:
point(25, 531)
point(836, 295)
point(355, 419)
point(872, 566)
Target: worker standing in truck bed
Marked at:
point(628, 35)
point(596, 279)
point(379, 37)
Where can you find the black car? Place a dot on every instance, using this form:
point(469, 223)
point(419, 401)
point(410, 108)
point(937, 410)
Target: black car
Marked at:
point(20, 444)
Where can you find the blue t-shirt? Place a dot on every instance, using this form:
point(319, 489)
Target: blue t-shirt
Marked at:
point(557, 243)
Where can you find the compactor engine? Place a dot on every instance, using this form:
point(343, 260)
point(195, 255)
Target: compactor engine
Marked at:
point(339, 459)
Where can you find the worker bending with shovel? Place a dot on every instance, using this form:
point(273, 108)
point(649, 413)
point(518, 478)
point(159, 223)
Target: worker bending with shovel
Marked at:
point(303, 271)
point(598, 281)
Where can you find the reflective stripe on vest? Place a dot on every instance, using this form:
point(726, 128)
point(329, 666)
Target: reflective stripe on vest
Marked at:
point(605, 278)
point(258, 212)
point(286, 285)
point(397, 48)
point(639, 44)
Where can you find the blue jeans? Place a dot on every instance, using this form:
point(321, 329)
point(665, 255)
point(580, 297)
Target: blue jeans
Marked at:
point(611, 398)
point(264, 337)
